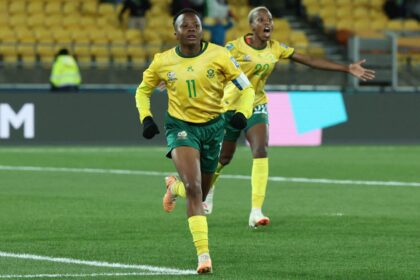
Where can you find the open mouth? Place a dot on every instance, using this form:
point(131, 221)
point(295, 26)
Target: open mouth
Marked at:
point(267, 29)
point(191, 37)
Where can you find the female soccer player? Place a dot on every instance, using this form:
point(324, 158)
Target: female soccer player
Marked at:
point(257, 55)
point(194, 74)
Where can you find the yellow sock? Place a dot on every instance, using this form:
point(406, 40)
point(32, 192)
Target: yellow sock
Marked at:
point(216, 174)
point(199, 232)
point(179, 189)
point(259, 181)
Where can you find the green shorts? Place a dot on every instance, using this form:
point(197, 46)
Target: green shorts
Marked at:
point(259, 115)
point(206, 138)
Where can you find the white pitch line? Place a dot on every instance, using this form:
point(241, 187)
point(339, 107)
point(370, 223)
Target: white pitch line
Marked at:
point(28, 276)
point(155, 269)
point(227, 176)
point(329, 181)
point(70, 150)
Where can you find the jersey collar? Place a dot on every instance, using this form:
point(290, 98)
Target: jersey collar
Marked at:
point(204, 46)
point(245, 41)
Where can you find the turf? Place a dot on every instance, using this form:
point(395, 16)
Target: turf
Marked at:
point(317, 231)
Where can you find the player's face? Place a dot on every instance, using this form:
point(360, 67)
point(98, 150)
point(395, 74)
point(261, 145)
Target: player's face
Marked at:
point(263, 25)
point(188, 29)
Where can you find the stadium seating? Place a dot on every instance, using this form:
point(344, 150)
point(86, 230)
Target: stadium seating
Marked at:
point(357, 17)
point(356, 11)
point(35, 8)
point(17, 7)
point(70, 8)
point(32, 31)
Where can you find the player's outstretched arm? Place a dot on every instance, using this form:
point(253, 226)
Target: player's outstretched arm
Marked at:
point(355, 69)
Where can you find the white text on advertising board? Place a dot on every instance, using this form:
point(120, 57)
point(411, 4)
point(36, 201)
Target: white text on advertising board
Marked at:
point(11, 119)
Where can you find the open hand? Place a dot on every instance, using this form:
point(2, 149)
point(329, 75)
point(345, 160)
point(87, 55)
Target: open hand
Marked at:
point(358, 71)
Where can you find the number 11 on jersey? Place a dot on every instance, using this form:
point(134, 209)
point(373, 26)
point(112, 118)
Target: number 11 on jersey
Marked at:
point(191, 88)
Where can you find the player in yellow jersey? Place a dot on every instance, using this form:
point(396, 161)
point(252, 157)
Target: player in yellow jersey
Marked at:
point(195, 74)
point(257, 55)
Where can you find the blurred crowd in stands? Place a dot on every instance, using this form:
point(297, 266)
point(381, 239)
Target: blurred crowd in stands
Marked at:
point(220, 18)
point(127, 33)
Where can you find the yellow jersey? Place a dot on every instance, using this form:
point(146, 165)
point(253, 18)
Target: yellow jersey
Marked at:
point(257, 64)
point(194, 84)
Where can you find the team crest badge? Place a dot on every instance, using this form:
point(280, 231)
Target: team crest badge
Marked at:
point(210, 73)
point(171, 76)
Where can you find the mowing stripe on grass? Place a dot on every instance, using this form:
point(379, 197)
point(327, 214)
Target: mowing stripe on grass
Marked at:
point(238, 177)
point(28, 276)
point(330, 181)
point(155, 269)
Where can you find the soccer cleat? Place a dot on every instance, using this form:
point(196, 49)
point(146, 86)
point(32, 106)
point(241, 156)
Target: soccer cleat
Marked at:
point(256, 219)
point(208, 203)
point(204, 264)
point(169, 199)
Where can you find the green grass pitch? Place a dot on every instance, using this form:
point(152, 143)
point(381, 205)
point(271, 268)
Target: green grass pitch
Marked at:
point(102, 205)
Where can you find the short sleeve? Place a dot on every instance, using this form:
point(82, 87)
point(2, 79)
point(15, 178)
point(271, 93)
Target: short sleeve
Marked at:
point(231, 66)
point(285, 51)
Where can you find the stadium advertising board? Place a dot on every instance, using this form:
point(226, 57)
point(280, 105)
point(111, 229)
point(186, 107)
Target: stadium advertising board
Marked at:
point(296, 119)
point(92, 119)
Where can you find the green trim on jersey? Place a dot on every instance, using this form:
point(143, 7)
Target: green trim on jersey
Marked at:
point(204, 45)
point(258, 49)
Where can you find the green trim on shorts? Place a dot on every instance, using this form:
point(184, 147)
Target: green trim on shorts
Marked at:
point(259, 115)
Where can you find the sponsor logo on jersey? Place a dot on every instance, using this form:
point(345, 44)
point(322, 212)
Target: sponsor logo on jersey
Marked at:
point(190, 69)
point(247, 57)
